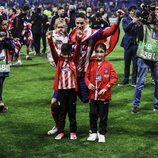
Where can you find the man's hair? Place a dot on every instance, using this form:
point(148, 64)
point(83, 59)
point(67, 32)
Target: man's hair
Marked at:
point(26, 7)
point(132, 7)
point(60, 8)
point(81, 15)
point(2, 17)
point(66, 49)
point(14, 10)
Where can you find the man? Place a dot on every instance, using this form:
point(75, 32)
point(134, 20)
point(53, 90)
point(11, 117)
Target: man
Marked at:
point(60, 14)
point(89, 38)
point(99, 22)
point(147, 58)
point(6, 44)
point(129, 43)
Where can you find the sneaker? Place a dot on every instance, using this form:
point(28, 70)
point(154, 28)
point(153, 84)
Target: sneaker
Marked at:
point(59, 136)
point(134, 109)
point(52, 131)
point(28, 57)
point(155, 109)
point(3, 109)
point(92, 137)
point(18, 62)
point(101, 138)
point(133, 85)
point(73, 136)
point(123, 84)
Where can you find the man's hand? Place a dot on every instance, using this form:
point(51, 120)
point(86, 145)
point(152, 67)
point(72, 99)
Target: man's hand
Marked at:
point(79, 34)
point(91, 86)
point(120, 13)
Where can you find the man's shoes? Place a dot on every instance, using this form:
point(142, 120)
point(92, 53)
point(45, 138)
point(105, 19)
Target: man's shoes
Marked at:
point(155, 109)
point(133, 85)
point(73, 136)
point(123, 84)
point(59, 136)
point(3, 108)
point(28, 57)
point(134, 109)
point(101, 138)
point(52, 131)
point(92, 137)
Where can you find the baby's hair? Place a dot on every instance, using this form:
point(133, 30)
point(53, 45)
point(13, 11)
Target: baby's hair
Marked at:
point(60, 21)
point(101, 45)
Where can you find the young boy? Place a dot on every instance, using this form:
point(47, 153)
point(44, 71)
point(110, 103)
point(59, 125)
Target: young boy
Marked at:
point(59, 36)
point(99, 79)
point(65, 84)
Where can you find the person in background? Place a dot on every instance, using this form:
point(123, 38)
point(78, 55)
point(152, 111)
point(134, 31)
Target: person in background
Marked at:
point(6, 45)
point(147, 58)
point(129, 43)
point(99, 78)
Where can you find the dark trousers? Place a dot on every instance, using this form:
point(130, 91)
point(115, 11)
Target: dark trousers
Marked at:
point(130, 55)
point(36, 42)
point(1, 86)
point(99, 109)
point(67, 103)
point(44, 42)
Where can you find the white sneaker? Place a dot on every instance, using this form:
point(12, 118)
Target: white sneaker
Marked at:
point(18, 62)
point(101, 138)
point(52, 131)
point(92, 137)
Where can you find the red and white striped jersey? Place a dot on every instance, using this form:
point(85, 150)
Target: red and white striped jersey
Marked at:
point(66, 77)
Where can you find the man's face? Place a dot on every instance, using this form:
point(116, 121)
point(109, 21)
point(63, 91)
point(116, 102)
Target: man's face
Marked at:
point(4, 25)
point(61, 12)
point(80, 23)
point(132, 12)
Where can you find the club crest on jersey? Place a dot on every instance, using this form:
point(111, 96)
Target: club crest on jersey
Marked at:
point(106, 70)
point(65, 69)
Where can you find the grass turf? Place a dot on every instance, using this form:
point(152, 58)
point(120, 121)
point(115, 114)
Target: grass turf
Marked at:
point(23, 129)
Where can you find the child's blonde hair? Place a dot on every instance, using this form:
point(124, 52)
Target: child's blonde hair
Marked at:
point(60, 21)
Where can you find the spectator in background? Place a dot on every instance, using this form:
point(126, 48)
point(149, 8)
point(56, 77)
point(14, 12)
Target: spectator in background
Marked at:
point(60, 14)
point(99, 22)
point(129, 43)
point(104, 14)
point(6, 44)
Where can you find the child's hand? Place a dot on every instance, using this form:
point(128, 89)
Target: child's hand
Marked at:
point(103, 91)
point(49, 34)
point(91, 86)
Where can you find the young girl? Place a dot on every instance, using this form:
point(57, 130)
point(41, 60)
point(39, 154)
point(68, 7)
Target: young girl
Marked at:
point(99, 78)
point(65, 84)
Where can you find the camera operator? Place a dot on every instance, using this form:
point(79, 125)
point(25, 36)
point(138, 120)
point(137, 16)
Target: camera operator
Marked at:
point(147, 55)
point(6, 45)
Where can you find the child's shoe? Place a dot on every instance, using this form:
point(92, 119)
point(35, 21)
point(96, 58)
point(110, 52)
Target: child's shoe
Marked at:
point(59, 136)
point(101, 138)
point(92, 137)
point(73, 136)
point(52, 131)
